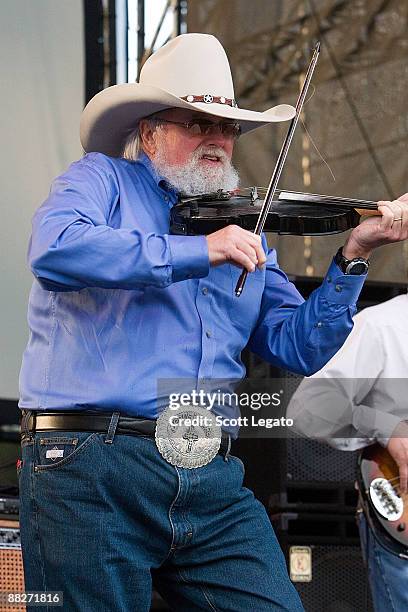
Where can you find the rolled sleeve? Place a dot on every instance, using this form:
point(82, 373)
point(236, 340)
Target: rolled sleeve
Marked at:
point(189, 257)
point(373, 423)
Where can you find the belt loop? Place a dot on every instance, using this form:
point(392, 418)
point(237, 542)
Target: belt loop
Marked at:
point(112, 427)
point(25, 417)
point(228, 449)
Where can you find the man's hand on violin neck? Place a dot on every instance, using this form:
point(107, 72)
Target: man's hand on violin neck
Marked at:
point(375, 231)
point(237, 246)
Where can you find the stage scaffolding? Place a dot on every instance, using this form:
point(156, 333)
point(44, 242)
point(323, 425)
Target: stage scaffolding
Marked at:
point(357, 116)
point(355, 121)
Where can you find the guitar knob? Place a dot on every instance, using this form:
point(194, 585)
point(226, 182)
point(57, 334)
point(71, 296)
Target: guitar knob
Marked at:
point(401, 527)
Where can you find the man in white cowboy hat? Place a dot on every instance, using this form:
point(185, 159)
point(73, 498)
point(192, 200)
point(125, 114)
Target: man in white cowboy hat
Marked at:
point(118, 304)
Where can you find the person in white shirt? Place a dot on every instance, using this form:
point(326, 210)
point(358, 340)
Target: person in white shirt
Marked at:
point(357, 399)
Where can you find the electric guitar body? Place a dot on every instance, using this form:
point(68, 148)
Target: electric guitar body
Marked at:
point(378, 482)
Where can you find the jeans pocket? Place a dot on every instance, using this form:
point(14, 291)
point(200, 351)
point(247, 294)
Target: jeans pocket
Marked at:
point(57, 449)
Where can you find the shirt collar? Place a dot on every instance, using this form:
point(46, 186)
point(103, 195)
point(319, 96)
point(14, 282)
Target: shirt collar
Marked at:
point(160, 181)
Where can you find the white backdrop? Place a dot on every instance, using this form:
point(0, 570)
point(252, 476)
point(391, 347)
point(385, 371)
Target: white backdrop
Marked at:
point(42, 94)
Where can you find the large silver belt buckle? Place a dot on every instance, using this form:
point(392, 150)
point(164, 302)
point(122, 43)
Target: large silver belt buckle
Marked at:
point(188, 437)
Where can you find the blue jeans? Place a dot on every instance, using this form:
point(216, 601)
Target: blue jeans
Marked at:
point(388, 574)
point(102, 521)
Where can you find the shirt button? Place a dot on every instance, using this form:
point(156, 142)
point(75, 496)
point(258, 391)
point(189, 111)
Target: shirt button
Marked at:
point(319, 324)
point(166, 198)
point(208, 333)
point(204, 291)
point(338, 288)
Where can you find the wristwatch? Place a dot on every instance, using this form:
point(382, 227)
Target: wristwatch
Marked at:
point(356, 266)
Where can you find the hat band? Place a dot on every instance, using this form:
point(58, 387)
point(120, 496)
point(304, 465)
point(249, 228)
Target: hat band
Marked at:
point(210, 99)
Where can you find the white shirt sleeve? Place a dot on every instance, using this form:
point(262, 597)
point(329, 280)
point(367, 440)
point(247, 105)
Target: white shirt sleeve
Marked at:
point(334, 404)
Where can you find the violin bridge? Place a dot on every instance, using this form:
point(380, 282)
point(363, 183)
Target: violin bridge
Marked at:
point(254, 194)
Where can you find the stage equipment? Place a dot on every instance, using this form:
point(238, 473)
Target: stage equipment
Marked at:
point(11, 561)
point(10, 453)
point(102, 46)
point(324, 561)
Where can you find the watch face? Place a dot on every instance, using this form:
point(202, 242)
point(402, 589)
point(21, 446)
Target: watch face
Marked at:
point(356, 268)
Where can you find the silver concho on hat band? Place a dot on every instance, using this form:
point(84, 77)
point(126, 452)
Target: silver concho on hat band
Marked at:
point(188, 437)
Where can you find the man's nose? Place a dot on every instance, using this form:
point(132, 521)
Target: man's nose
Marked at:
point(216, 136)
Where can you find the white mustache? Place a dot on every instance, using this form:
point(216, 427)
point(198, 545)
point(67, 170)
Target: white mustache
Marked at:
point(193, 177)
point(215, 151)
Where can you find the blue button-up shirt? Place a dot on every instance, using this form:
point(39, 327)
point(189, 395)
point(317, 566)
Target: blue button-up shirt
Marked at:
point(118, 304)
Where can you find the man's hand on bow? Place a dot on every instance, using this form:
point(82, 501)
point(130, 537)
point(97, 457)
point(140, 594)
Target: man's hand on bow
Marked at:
point(237, 246)
point(376, 231)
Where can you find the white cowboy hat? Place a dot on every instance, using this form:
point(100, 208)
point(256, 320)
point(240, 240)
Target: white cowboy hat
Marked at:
point(191, 71)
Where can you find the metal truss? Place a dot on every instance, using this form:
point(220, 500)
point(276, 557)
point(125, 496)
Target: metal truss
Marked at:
point(362, 33)
point(178, 8)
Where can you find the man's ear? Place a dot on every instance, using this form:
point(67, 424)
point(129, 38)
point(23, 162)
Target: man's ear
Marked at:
point(147, 132)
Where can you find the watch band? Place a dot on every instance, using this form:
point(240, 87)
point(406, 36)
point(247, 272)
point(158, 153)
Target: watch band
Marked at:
point(355, 267)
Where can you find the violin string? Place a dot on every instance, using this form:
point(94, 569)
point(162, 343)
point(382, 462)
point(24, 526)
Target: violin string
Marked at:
point(317, 150)
point(311, 95)
point(324, 199)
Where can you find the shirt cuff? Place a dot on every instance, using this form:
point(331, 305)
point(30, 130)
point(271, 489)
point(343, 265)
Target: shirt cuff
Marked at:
point(385, 423)
point(339, 288)
point(189, 257)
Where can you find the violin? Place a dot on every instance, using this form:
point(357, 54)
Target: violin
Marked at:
point(294, 213)
point(291, 213)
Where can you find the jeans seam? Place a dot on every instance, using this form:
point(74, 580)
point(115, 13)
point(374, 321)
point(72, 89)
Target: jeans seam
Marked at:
point(63, 441)
point(377, 558)
point(37, 529)
point(173, 531)
point(200, 588)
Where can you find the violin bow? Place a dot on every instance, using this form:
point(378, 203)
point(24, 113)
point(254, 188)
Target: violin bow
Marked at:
point(280, 161)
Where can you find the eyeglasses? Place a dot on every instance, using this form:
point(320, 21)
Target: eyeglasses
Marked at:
point(203, 128)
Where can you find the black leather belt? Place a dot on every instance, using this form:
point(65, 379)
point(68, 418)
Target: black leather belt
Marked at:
point(33, 421)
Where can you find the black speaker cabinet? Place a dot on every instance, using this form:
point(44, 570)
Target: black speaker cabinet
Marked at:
point(338, 581)
point(324, 561)
point(293, 472)
point(299, 474)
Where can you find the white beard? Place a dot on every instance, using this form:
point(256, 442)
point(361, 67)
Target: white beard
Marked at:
point(194, 178)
